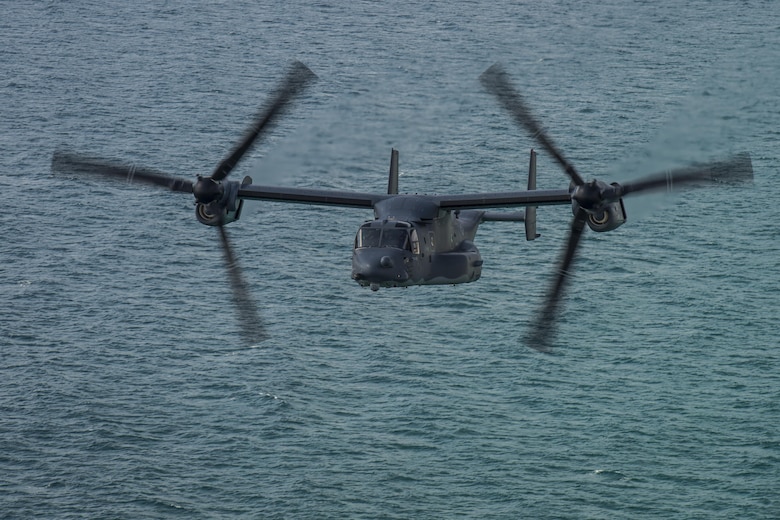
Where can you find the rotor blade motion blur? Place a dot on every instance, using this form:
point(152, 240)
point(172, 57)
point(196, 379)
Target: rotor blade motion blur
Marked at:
point(497, 82)
point(738, 168)
point(297, 79)
point(77, 164)
point(252, 329)
point(543, 330)
point(216, 202)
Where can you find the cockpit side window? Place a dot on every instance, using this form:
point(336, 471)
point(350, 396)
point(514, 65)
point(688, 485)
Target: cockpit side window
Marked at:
point(415, 242)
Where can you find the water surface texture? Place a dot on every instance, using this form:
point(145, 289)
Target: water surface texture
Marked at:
point(126, 391)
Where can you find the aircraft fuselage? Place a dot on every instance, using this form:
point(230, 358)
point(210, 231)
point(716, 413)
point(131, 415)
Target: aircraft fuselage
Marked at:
point(413, 242)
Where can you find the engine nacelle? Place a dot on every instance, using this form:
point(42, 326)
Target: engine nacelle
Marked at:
point(610, 217)
point(222, 211)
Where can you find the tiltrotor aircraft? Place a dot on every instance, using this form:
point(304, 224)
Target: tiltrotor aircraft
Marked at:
point(414, 239)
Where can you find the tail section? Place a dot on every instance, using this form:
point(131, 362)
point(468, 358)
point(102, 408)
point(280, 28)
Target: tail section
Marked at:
point(392, 181)
point(530, 211)
point(528, 216)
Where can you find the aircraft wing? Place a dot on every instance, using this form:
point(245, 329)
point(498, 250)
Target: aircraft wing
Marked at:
point(310, 196)
point(507, 199)
point(368, 200)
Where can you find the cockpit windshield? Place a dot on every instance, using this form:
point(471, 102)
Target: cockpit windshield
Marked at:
point(368, 237)
point(397, 238)
point(395, 235)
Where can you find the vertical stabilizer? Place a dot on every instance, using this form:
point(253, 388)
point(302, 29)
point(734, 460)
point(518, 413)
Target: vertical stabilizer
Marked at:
point(530, 211)
point(392, 182)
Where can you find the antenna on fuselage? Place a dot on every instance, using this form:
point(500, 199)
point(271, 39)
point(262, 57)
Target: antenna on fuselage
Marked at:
point(392, 181)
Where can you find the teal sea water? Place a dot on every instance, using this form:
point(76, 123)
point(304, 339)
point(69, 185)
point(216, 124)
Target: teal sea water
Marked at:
point(126, 392)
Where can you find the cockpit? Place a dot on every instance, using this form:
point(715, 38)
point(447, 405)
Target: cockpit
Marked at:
point(386, 233)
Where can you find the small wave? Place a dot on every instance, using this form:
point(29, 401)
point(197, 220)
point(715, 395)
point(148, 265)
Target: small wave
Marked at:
point(610, 474)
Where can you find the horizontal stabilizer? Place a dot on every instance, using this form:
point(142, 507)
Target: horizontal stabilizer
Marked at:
point(503, 216)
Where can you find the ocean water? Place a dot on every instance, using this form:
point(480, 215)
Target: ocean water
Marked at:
point(125, 389)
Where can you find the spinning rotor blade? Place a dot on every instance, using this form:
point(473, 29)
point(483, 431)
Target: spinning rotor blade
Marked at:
point(497, 82)
point(251, 325)
point(73, 163)
point(595, 197)
point(543, 330)
point(211, 195)
point(737, 168)
point(294, 83)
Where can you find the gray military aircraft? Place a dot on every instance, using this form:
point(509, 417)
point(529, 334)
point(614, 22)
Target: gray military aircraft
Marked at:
point(414, 239)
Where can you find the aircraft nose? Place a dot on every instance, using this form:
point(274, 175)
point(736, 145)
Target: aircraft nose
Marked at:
point(378, 267)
